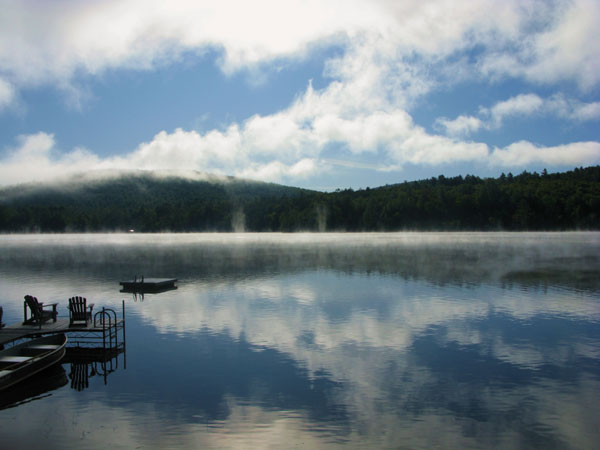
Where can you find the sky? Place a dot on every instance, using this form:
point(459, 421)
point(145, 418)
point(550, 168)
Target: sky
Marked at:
point(321, 94)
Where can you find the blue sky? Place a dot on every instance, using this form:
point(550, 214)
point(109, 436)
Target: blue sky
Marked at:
point(317, 94)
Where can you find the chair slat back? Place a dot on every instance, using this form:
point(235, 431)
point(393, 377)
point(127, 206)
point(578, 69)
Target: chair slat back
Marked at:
point(34, 306)
point(77, 305)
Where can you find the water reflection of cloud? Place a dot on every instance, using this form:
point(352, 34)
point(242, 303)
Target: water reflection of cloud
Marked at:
point(549, 414)
point(286, 309)
point(364, 323)
point(354, 350)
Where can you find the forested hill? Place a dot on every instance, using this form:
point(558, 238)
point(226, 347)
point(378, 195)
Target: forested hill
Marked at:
point(145, 202)
point(140, 201)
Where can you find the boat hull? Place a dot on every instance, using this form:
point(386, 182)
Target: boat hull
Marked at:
point(24, 360)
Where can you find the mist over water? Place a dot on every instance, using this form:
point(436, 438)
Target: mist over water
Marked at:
point(375, 340)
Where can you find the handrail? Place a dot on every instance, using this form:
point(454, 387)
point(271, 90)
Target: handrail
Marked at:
point(101, 317)
point(104, 314)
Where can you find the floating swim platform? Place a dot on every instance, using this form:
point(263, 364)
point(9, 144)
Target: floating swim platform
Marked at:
point(148, 284)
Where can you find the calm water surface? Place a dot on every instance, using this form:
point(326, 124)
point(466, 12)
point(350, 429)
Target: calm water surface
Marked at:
point(408, 340)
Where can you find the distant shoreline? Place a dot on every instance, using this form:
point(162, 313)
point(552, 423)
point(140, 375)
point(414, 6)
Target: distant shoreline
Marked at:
point(145, 203)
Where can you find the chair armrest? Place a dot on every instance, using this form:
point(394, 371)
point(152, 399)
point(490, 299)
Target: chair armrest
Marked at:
point(44, 305)
point(91, 306)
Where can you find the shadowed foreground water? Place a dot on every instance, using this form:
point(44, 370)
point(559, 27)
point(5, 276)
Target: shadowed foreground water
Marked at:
point(401, 340)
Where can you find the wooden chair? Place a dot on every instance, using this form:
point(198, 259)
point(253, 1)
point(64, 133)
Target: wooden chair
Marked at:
point(37, 312)
point(1, 313)
point(80, 311)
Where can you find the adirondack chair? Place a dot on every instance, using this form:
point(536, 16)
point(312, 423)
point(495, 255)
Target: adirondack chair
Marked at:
point(1, 313)
point(38, 314)
point(80, 311)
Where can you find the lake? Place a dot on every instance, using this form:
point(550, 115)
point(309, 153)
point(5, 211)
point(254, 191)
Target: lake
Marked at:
point(374, 340)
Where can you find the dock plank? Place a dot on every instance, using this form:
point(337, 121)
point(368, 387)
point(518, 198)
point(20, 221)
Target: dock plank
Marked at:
point(18, 330)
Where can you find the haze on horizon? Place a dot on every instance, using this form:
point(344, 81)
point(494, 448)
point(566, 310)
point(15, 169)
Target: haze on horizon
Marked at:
point(321, 95)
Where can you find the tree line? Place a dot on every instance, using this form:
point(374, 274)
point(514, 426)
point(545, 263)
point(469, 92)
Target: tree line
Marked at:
point(146, 203)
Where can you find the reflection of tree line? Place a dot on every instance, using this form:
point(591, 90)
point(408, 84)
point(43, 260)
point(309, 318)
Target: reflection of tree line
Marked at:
point(526, 260)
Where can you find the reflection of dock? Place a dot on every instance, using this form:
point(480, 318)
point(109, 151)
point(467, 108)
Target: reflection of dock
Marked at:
point(148, 285)
point(86, 363)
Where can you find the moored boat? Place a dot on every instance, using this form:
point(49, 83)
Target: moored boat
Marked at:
point(28, 358)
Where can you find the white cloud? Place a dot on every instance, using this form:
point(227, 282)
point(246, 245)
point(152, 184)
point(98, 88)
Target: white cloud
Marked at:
point(425, 149)
point(277, 171)
point(522, 105)
point(572, 109)
point(524, 153)
point(34, 146)
point(61, 39)
point(292, 145)
point(569, 50)
point(214, 150)
point(391, 54)
point(530, 104)
point(587, 111)
point(7, 94)
point(556, 41)
point(461, 126)
point(54, 42)
point(34, 160)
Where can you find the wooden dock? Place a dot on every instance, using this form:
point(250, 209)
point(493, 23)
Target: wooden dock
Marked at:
point(103, 330)
point(18, 331)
